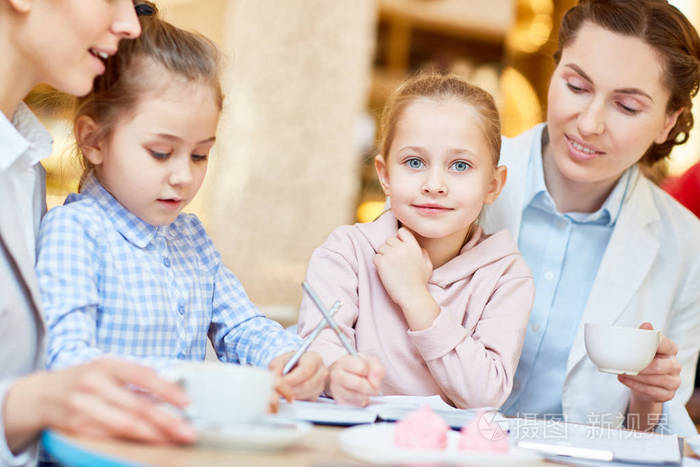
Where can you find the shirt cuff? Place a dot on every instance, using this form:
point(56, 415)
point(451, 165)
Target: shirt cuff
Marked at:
point(440, 338)
point(291, 343)
point(29, 455)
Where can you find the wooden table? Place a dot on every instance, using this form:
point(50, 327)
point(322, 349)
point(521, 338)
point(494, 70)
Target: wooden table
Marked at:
point(319, 448)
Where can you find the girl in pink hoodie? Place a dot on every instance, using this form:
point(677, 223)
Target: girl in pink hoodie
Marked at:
point(433, 304)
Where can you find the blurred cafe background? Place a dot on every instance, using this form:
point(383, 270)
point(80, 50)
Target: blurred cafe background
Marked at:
point(305, 82)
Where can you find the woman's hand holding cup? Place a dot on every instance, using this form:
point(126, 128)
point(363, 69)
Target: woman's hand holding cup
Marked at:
point(97, 399)
point(654, 385)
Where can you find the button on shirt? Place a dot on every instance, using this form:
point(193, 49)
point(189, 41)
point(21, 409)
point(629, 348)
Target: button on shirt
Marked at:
point(564, 251)
point(24, 143)
point(114, 284)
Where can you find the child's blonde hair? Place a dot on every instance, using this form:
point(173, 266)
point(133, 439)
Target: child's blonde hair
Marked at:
point(116, 92)
point(439, 87)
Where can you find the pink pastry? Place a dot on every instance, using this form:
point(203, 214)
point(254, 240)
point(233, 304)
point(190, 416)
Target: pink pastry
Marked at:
point(421, 429)
point(482, 435)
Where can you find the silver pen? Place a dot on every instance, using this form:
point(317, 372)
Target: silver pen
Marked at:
point(291, 363)
point(329, 319)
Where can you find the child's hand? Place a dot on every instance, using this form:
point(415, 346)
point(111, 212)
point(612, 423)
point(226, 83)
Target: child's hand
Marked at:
point(282, 389)
point(307, 379)
point(404, 269)
point(354, 379)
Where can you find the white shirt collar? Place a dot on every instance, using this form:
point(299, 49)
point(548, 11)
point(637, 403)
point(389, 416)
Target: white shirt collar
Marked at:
point(24, 136)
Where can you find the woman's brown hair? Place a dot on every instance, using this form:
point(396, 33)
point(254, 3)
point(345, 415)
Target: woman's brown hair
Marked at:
point(438, 87)
point(669, 33)
point(127, 77)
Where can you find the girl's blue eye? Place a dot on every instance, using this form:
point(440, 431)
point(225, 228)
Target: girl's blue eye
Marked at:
point(199, 157)
point(414, 163)
point(460, 166)
point(159, 155)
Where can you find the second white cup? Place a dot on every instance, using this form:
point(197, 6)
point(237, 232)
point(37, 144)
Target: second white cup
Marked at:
point(223, 394)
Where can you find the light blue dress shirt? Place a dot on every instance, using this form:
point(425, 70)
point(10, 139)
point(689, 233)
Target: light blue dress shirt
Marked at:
point(564, 251)
point(114, 284)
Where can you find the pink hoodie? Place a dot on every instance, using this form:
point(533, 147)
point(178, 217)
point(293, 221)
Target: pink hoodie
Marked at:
point(469, 354)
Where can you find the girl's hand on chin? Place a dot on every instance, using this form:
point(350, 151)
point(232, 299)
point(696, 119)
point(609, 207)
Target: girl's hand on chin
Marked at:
point(403, 267)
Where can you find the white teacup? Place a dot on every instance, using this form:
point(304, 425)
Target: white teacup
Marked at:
point(620, 350)
point(223, 394)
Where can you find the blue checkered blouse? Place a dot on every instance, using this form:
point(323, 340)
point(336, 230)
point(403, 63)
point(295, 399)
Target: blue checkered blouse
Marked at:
point(114, 284)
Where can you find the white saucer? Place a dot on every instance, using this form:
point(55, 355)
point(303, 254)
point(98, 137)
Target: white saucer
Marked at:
point(272, 434)
point(375, 443)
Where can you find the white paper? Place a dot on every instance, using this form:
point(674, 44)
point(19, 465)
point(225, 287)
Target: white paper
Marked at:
point(389, 408)
point(626, 445)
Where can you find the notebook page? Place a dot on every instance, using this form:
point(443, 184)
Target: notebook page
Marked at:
point(326, 412)
point(626, 445)
point(386, 408)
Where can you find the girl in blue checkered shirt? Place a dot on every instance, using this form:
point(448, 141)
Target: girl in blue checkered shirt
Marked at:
point(121, 270)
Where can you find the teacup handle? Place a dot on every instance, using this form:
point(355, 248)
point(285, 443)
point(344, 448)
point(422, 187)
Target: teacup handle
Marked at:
point(177, 376)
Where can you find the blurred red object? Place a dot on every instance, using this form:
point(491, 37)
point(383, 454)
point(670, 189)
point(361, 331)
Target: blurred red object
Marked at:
point(686, 188)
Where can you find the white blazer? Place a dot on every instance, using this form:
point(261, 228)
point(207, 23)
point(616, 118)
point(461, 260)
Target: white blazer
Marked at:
point(22, 329)
point(650, 272)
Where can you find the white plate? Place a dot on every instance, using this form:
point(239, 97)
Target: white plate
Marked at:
point(375, 443)
point(271, 435)
point(694, 443)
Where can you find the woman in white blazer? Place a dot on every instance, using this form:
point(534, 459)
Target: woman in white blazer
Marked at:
point(58, 42)
point(605, 244)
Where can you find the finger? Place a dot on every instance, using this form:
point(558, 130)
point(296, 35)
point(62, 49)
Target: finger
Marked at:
point(274, 402)
point(319, 383)
point(89, 429)
point(277, 364)
point(347, 395)
point(376, 372)
point(652, 393)
point(284, 389)
point(312, 387)
point(111, 421)
point(667, 347)
point(384, 249)
point(144, 378)
point(343, 396)
point(407, 237)
point(392, 241)
point(102, 386)
point(666, 382)
point(355, 365)
point(660, 365)
point(305, 369)
point(358, 384)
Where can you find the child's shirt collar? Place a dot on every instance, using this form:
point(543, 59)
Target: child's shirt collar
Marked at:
point(132, 227)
